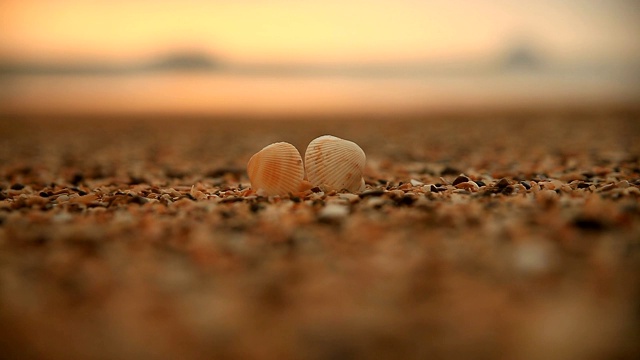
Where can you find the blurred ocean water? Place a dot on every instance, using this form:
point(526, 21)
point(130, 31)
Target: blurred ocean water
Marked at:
point(269, 92)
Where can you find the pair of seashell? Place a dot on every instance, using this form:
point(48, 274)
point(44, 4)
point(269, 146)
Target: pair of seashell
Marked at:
point(331, 163)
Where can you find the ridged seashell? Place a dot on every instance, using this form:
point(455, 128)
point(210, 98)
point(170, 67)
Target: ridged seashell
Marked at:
point(276, 169)
point(335, 163)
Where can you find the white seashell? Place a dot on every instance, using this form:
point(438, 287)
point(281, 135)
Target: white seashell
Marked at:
point(335, 163)
point(276, 170)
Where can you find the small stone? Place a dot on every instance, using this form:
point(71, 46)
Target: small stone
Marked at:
point(633, 190)
point(480, 183)
point(546, 197)
point(406, 200)
point(607, 187)
point(333, 212)
point(17, 186)
point(415, 182)
point(467, 185)
point(508, 190)
point(460, 179)
point(525, 184)
point(503, 183)
point(376, 202)
point(461, 191)
point(349, 197)
point(371, 193)
point(623, 184)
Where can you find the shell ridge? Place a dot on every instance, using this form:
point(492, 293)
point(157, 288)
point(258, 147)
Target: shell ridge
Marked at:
point(335, 162)
point(277, 169)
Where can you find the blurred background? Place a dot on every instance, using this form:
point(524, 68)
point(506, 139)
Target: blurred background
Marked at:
point(316, 57)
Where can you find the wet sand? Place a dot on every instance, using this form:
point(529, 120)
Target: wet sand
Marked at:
point(511, 236)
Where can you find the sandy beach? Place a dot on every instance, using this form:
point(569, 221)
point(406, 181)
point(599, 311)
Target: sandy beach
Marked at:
point(513, 236)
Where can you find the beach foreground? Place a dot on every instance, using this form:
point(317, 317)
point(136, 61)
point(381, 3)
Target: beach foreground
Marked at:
point(137, 238)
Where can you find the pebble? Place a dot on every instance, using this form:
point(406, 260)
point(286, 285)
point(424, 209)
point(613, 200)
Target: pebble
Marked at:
point(376, 202)
point(503, 183)
point(349, 197)
point(633, 190)
point(415, 182)
point(333, 212)
point(460, 179)
point(583, 185)
point(461, 191)
point(546, 196)
point(623, 184)
point(508, 190)
point(607, 187)
point(467, 185)
point(62, 198)
point(62, 217)
point(371, 193)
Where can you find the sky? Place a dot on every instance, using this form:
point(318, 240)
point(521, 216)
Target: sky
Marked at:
point(568, 36)
point(325, 32)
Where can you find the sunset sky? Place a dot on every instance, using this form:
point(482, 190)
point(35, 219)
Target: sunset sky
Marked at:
point(287, 31)
point(590, 50)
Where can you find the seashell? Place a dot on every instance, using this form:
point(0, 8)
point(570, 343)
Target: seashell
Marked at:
point(335, 164)
point(276, 170)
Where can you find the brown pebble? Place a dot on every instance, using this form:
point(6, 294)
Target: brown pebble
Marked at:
point(583, 185)
point(502, 183)
point(467, 185)
point(508, 190)
point(623, 184)
point(371, 193)
point(607, 187)
point(460, 179)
